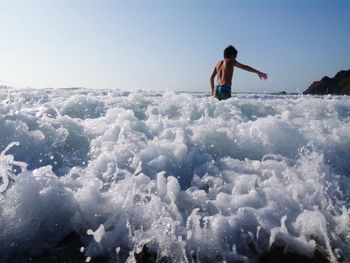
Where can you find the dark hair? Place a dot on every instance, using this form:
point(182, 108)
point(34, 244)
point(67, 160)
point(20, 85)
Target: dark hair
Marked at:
point(230, 52)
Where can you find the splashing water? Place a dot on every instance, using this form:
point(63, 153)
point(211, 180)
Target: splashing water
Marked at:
point(182, 176)
point(6, 164)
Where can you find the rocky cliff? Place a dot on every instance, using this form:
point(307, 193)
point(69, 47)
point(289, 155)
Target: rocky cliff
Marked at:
point(338, 85)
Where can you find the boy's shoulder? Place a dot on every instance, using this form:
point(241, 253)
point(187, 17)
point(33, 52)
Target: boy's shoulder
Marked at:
point(219, 62)
point(227, 62)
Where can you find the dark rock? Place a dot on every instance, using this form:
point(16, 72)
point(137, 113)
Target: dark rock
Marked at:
point(338, 85)
point(279, 93)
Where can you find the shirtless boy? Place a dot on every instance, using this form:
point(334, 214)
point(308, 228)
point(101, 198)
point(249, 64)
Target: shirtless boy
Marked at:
point(224, 72)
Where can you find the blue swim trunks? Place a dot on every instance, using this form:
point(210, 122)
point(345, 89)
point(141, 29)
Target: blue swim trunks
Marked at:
point(222, 92)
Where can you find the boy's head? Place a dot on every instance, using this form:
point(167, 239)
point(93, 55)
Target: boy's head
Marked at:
point(230, 52)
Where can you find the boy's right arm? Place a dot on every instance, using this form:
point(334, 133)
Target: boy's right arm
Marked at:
point(261, 75)
point(212, 77)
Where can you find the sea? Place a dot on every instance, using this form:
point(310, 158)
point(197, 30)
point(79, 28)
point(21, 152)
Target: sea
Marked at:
point(173, 176)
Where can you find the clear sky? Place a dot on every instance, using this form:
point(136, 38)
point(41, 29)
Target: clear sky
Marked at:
point(171, 44)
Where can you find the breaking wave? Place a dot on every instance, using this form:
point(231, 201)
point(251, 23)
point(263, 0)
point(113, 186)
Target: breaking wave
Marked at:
point(183, 176)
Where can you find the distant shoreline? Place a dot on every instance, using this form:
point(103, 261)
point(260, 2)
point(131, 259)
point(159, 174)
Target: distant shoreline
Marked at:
point(127, 92)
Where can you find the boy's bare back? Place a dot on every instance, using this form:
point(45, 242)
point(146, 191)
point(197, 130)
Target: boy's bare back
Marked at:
point(224, 71)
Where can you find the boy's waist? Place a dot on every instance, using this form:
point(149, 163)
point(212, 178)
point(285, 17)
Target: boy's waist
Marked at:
point(224, 88)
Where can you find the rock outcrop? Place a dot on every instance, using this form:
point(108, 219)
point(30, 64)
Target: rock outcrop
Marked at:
point(338, 85)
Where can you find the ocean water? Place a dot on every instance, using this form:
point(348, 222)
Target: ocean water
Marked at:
point(188, 177)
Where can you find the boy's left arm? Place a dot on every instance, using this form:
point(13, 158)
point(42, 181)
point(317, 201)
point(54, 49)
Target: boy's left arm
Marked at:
point(212, 77)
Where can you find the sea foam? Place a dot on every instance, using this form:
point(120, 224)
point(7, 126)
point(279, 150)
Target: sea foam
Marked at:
point(184, 176)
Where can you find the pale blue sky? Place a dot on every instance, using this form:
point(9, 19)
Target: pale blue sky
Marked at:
point(171, 45)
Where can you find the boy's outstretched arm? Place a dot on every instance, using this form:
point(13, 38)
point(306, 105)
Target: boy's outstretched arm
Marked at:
point(212, 77)
point(261, 75)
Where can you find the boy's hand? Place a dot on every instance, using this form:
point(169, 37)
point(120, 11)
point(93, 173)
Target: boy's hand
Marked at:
point(262, 75)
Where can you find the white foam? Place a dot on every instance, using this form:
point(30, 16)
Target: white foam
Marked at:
point(187, 176)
